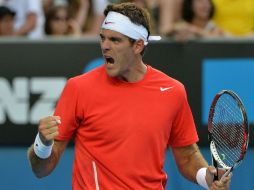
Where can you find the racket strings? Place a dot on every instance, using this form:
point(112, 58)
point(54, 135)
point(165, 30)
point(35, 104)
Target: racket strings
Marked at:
point(226, 154)
point(228, 117)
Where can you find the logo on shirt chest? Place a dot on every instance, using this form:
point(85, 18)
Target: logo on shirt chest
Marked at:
point(162, 89)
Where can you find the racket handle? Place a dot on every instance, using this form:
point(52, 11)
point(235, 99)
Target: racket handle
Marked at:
point(226, 174)
point(216, 176)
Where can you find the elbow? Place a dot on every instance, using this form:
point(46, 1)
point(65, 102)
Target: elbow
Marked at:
point(31, 21)
point(39, 174)
point(32, 25)
point(36, 164)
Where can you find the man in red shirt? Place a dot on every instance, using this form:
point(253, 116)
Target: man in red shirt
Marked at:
point(122, 117)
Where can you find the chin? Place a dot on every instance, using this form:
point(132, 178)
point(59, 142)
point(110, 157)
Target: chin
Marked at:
point(111, 73)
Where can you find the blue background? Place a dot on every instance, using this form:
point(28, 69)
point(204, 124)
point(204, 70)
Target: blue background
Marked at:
point(232, 74)
point(16, 174)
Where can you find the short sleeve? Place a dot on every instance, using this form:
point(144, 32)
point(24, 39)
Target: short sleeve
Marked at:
point(183, 131)
point(34, 6)
point(67, 109)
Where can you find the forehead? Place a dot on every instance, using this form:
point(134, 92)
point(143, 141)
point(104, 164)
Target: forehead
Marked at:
point(7, 17)
point(111, 33)
point(61, 10)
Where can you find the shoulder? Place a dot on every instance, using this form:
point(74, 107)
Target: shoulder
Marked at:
point(87, 79)
point(91, 75)
point(163, 78)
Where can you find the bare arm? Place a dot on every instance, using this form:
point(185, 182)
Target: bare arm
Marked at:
point(48, 130)
point(189, 160)
point(43, 167)
point(170, 13)
point(95, 28)
point(28, 26)
point(82, 13)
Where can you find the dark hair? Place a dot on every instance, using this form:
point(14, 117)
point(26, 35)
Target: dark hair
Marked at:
point(137, 15)
point(6, 11)
point(51, 14)
point(187, 10)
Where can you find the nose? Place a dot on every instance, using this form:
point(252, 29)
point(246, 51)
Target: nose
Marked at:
point(105, 45)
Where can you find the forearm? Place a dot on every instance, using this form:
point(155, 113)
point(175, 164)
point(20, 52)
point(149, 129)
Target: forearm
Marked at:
point(169, 15)
point(42, 167)
point(192, 166)
point(28, 26)
point(189, 160)
point(82, 13)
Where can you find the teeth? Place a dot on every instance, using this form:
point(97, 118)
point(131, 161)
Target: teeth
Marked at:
point(110, 60)
point(110, 63)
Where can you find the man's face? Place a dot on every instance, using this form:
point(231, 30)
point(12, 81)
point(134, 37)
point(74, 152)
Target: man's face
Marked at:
point(6, 25)
point(118, 52)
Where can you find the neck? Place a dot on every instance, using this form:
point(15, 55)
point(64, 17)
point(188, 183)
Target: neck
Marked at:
point(201, 23)
point(135, 73)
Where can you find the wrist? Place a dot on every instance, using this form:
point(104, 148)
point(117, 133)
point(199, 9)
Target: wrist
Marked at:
point(41, 150)
point(201, 178)
point(43, 141)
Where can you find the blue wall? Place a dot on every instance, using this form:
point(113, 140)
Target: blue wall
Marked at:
point(232, 74)
point(15, 172)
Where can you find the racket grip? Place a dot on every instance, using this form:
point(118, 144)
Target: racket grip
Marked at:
point(216, 176)
point(226, 174)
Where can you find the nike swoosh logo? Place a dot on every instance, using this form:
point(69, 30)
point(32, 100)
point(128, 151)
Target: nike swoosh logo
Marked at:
point(164, 89)
point(108, 22)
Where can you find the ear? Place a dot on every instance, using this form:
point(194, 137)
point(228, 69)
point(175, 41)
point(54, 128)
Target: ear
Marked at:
point(138, 46)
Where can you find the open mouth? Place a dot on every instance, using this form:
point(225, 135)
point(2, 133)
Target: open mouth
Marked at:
point(109, 60)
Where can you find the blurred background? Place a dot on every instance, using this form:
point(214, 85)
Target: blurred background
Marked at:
point(206, 44)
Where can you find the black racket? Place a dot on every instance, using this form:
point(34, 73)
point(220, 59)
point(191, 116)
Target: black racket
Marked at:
point(228, 131)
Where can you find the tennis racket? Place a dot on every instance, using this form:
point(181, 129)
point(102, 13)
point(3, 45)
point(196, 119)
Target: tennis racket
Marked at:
point(228, 131)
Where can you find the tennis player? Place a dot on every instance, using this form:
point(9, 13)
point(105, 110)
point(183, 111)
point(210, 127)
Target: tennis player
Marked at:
point(122, 117)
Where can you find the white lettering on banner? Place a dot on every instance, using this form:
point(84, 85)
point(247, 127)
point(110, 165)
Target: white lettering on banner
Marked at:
point(15, 100)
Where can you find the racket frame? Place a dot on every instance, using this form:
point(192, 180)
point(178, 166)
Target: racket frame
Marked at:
point(215, 156)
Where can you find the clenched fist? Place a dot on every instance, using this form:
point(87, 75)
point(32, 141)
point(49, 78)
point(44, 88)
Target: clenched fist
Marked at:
point(48, 129)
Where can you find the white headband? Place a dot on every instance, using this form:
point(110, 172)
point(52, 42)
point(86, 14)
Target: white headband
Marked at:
point(122, 24)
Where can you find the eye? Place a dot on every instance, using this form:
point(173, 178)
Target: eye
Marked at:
point(102, 38)
point(115, 40)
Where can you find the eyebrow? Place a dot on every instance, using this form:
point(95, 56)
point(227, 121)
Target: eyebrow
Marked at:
point(112, 37)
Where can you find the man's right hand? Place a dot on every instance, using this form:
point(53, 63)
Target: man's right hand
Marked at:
point(221, 184)
point(48, 129)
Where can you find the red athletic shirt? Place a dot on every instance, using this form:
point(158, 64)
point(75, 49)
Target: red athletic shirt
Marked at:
point(121, 130)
